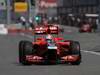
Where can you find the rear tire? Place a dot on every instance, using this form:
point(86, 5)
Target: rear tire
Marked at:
point(25, 48)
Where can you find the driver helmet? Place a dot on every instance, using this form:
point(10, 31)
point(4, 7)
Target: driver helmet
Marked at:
point(49, 36)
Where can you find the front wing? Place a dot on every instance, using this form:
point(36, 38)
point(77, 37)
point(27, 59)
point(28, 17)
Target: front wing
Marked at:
point(65, 59)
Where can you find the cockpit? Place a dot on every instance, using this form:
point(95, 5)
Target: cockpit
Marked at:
point(49, 39)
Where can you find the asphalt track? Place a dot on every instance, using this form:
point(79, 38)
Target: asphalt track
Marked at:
point(90, 46)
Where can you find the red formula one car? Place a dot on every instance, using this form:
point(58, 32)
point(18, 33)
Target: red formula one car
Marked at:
point(85, 28)
point(49, 49)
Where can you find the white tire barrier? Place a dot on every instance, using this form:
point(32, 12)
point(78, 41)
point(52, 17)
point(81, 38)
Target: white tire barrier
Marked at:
point(3, 29)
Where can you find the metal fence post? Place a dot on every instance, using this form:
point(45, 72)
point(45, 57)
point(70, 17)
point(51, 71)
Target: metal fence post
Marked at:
point(29, 8)
point(8, 12)
point(36, 8)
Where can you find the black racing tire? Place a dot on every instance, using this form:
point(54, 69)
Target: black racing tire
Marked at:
point(75, 48)
point(21, 43)
point(25, 48)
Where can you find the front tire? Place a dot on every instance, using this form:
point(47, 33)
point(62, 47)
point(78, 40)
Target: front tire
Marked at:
point(75, 48)
point(25, 48)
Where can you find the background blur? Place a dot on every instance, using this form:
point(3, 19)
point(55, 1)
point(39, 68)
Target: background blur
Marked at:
point(64, 12)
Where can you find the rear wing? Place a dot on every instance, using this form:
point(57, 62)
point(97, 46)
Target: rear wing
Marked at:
point(46, 30)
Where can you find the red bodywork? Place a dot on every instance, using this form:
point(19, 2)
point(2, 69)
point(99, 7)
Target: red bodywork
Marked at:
point(47, 47)
point(46, 29)
point(86, 28)
point(63, 47)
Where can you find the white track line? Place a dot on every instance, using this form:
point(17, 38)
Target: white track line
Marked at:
point(85, 51)
point(91, 52)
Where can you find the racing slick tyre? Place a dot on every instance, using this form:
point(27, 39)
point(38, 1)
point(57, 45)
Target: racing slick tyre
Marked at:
point(20, 50)
point(75, 50)
point(25, 48)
